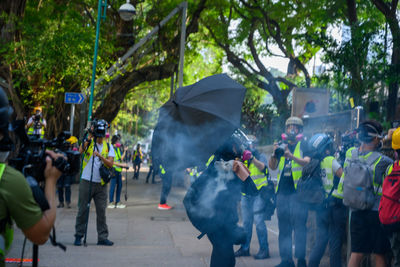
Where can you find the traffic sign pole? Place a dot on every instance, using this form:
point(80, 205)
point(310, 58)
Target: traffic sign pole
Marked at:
point(71, 119)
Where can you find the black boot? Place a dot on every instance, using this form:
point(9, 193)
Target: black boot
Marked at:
point(301, 263)
point(241, 252)
point(262, 254)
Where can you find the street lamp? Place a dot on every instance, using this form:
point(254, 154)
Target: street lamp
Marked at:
point(126, 12)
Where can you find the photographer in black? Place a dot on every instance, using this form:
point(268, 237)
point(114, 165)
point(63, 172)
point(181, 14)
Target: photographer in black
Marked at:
point(96, 152)
point(17, 202)
point(36, 123)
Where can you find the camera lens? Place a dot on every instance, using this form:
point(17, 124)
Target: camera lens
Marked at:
point(280, 150)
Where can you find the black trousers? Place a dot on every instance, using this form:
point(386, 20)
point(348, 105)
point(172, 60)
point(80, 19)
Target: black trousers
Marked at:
point(222, 249)
point(166, 187)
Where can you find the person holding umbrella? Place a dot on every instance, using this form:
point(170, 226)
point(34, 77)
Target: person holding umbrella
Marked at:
point(211, 202)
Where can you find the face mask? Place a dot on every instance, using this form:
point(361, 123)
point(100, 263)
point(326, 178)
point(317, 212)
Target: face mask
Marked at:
point(4, 155)
point(117, 144)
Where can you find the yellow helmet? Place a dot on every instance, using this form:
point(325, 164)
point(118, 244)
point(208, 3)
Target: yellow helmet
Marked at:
point(396, 139)
point(36, 109)
point(72, 140)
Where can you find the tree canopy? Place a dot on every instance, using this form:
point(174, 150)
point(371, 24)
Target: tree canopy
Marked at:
point(47, 49)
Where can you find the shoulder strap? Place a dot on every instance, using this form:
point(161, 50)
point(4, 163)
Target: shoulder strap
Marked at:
point(372, 158)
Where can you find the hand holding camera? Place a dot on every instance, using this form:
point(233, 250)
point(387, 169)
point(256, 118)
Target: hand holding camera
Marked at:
point(52, 172)
point(280, 149)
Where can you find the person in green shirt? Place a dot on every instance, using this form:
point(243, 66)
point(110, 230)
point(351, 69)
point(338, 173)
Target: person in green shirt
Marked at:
point(16, 202)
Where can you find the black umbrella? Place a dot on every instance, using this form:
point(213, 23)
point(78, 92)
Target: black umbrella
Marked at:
point(196, 121)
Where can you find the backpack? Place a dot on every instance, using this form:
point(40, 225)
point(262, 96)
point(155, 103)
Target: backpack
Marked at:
point(202, 219)
point(358, 187)
point(389, 207)
point(310, 188)
point(106, 173)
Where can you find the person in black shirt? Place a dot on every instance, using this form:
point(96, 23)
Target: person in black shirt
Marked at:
point(289, 211)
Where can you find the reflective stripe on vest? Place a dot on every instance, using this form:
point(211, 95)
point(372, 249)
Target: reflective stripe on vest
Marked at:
point(296, 168)
point(259, 178)
point(136, 154)
point(31, 130)
point(339, 191)
point(89, 152)
point(7, 237)
point(162, 169)
point(326, 165)
point(117, 159)
point(210, 160)
point(194, 172)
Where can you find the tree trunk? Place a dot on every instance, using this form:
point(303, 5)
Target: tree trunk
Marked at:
point(12, 11)
point(110, 107)
point(394, 70)
point(356, 85)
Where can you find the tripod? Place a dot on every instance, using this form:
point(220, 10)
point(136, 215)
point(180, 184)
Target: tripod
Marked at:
point(90, 190)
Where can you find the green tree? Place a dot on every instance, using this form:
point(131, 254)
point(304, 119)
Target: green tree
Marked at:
point(247, 31)
point(49, 47)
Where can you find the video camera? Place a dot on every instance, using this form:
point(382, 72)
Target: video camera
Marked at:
point(348, 140)
point(31, 159)
point(98, 128)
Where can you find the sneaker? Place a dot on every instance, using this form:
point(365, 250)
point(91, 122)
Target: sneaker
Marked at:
point(61, 205)
point(120, 205)
point(262, 254)
point(111, 205)
point(78, 241)
point(105, 242)
point(164, 207)
point(301, 263)
point(241, 252)
point(286, 263)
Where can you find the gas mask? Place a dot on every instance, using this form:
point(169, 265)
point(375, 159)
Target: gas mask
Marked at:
point(291, 137)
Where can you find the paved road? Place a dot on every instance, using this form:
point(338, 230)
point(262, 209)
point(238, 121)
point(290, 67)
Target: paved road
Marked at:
point(143, 235)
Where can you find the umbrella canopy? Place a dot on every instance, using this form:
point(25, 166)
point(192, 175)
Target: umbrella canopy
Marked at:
point(196, 121)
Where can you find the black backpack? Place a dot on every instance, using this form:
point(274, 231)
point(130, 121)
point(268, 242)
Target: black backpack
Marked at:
point(201, 217)
point(310, 188)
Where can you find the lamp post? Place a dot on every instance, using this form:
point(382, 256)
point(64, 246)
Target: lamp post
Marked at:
point(126, 11)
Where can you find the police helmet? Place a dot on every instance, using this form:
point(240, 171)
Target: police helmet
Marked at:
point(318, 144)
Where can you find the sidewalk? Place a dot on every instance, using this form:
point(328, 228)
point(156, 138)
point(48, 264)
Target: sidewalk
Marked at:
point(142, 234)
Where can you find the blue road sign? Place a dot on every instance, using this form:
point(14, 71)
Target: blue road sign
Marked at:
point(74, 98)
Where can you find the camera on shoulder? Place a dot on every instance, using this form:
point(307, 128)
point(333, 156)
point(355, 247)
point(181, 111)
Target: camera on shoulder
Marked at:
point(31, 158)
